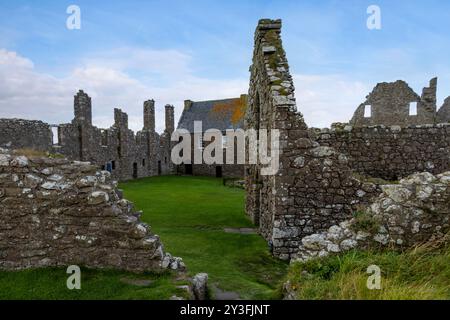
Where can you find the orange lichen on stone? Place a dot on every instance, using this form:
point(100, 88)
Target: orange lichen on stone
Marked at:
point(232, 109)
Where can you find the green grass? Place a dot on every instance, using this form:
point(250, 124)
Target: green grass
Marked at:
point(50, 284)
point(190, 213)
point(421, 273)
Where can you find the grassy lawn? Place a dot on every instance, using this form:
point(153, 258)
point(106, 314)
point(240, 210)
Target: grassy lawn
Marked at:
point(50, 284)
point(190, 213)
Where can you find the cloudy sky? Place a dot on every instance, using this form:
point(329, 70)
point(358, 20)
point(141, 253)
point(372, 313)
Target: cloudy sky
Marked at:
point(130, 51)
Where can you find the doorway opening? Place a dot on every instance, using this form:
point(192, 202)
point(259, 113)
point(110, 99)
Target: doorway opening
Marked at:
point(218, 172)
point(135, 170)
point(188, 169)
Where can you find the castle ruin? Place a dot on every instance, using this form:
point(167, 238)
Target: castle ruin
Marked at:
point(326, 175)
point(119, 150)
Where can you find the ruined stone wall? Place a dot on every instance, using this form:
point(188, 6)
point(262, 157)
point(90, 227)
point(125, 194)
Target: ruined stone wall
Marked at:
point(19, 134)
point(393, 152)
point(322, 179)
point(314, 187)
point(443, 115)
point(404, 215)
point(129, 155)
point(58, 213)
point(396, 103)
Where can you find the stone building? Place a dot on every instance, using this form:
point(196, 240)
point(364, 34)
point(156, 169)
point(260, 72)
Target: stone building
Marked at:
point(325, 176)
point(397, 104)
point(118, 149)
point(223, 115)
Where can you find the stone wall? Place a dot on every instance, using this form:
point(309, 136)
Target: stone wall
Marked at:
point(407, 214)
point(19, 134)
point(224, 170)
point(213, 170)
point(56, 213)
point(314, 187)
point(393, 152)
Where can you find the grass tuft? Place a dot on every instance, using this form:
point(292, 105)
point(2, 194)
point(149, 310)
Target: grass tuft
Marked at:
point(420, 273)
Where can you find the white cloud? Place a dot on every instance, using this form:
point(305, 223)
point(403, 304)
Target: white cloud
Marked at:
point(165, 63)
point(324, 99)
point(26, 93)
point(113, 82)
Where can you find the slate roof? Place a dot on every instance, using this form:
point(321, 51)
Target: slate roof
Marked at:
point(214, 114)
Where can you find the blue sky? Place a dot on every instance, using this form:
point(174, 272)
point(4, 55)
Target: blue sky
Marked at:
point(129, 51)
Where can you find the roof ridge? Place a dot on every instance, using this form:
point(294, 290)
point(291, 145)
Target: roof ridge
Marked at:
point(214, 100)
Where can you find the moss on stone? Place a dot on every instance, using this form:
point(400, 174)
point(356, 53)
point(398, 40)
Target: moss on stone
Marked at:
point(277, 82)
point(273, 38)
point(283, 92)
point(364, 222)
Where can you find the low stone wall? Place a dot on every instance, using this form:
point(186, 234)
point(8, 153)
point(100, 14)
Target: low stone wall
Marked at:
point(55, 212)
point(18, 134)
point(392, 152)
point(319, 191)
point(406, 214)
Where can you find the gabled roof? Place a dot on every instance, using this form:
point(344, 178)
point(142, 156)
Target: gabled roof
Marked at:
point(214, 114)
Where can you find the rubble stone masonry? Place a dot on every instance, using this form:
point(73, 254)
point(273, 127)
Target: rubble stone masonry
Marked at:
point(19, 134)
point(390, 152)
point(55, 212)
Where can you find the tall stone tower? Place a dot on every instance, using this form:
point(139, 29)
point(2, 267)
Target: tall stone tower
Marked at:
point(149, 115)
point(170, 119)
point(83, 108)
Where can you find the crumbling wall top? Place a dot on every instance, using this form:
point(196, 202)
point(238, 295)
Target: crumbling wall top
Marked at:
point(443, 115)
point(120, 119)
point(395, 103)
point(83, 108)
point(270, 56)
